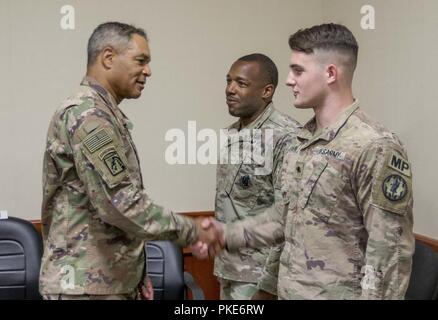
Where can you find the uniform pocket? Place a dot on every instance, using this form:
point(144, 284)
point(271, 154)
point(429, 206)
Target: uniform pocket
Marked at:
point(288, 184)
point(321, 190)
point(247, 187)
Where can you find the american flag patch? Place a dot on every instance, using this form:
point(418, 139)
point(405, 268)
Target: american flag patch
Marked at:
point(97, 140)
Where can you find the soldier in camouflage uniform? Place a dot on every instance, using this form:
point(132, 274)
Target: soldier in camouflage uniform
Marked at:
point(241, 190)
point(96, 213)
point(347, 223)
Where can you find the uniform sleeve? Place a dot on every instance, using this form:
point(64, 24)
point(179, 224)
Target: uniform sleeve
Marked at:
point(266, 229)
point(116, 196)
point(269, 278)
point(384, 193)
point(263, 230)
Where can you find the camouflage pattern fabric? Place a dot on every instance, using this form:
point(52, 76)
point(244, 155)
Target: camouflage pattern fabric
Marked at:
point(96, 213)
point(348, 232)
point(236, 290)
point(242, 192)
point(128, 296)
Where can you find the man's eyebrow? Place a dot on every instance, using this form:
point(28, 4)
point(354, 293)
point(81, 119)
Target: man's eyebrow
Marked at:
point(242, 79)
point(142, 55)
point(295, 66)
point(238, 78)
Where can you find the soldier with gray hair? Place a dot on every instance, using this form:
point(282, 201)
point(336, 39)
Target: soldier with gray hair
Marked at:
point(96, 214)
point(347, 224)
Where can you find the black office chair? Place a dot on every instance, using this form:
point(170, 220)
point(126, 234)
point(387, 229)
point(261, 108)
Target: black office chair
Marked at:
point(20, 260)
point(424, 277)
point(166, 271)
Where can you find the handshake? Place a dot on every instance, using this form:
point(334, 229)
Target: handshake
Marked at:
point(211, 238)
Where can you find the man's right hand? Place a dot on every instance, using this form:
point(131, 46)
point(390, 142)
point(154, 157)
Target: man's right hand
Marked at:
point(211, 238)
point(200, 250)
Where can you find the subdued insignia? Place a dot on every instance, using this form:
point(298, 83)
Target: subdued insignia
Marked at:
point(97, 140)
point(245, 180)
point(331, 153)
point(299, 168)
point(394, 187)
point(114, 163)
point(399, 164)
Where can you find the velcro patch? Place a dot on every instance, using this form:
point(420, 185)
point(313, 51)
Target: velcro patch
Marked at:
point(91, 126)
point(399, 164)
point(394, 187)
point(97, 140)
point(392, 190)
point(331, 153)
point(114, 162)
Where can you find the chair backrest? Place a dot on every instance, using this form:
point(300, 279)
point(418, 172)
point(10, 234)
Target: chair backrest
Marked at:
point(423, 284)
point(166, 270)
point(20, 259)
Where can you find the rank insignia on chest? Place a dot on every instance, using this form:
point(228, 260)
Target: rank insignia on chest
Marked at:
point(394, 187)
point(245, 181)
point(114, 163)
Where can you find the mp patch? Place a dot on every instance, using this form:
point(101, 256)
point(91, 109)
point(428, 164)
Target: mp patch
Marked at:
point(394, 187)
point(97, 140)
point(114, 163)
point(399, 164)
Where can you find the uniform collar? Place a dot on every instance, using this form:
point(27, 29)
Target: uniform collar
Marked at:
point(259, 121)
point(329, 133)
point(108, 99)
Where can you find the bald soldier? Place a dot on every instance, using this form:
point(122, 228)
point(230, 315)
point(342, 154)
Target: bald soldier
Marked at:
point(347, 226)
point(96, 214)
point(243, 188)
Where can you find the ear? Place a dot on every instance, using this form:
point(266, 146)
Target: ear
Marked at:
point(107, 57)
point(268, 91)
point(332, 73)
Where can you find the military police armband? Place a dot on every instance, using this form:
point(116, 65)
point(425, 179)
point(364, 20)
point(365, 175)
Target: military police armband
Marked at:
point(102, 149)
point(392, 190)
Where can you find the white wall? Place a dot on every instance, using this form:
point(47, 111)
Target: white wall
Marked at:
point(193, 44)
point(396, 84)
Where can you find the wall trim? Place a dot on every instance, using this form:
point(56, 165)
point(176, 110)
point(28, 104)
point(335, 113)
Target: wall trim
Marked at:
point(430, 241)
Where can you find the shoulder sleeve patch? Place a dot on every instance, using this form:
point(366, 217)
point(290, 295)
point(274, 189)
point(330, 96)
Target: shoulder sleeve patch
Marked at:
point(91, 126)
point(113, 161)
point(97, 140)
point(400, 164)
point(106, 153)
point(392, 189)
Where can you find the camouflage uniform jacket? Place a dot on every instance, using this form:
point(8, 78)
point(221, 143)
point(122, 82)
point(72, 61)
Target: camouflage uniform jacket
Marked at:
point(243, 192)
point(349, 225)
point(96, 214)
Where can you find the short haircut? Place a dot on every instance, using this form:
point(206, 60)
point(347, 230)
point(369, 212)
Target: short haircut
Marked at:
point(268, 69)
point(111, 34)
point(327, 37)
